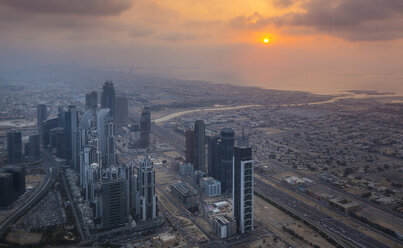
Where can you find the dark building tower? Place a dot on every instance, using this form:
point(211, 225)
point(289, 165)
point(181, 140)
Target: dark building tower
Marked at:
point(71, 126)
point(14, 146)
point(113, 204)
point(42, 115)
point(145, 128)
point(48, 125)
point(6, 193)
point(34, 149)
point(108, 97)
point(122, 110)
point(146, 187)
point(190, 145)
point(200, 153)
point(214, 159)
point(226, 155)
point(12, 184)
point(243, 189)
point(91, 100)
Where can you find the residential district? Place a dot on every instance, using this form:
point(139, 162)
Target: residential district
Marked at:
point(158, 162)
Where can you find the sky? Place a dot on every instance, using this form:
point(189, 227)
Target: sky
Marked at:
point(322, 46)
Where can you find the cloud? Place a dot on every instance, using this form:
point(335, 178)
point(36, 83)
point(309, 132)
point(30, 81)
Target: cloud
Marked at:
point(177, 36)
point(348, 19)
point(76, 7)
point(283, 3)
point(140, 32)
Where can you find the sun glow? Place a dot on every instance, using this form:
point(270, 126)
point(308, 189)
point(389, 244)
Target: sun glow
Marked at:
point(266, 40)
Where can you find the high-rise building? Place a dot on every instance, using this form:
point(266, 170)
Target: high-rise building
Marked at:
point(243, 189)
point(60, 140)
point(190, 146)
point(42, 115)
point(48, 125)
point(122, 110)
point(226, 156)
point(108, 97)
point(110, 144)
point(113, 204)
point(91, 100)
point(147, 209)
point(71, 126)
point(213, 157)
point(7, 195)
point(14, 146)
point(12, 184)
point(200, 153)
point(34, 149)
point(145, 128)
point(106, 137)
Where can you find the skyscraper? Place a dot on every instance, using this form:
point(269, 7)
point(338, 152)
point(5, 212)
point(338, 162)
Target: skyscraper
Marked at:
point(42, 115)
point(34, 149)
point(113, 204)
point(14, 146)
point(145, 128)
point(147, 209)
point(243, 189)
point(106, 137)
point(213, 157)
point(226, 156)
point(190, 146)
point(200, 153)
point(122, 110)
point(71, 126)
point(108, 97)
point(91, 100)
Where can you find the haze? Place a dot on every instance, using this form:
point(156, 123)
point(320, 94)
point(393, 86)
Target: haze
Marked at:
point(317, 45)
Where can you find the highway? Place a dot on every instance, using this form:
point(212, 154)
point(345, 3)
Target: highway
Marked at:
point(51, 175)
point(338, 231)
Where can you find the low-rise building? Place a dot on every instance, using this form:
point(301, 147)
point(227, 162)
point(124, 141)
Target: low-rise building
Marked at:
point(210, 186)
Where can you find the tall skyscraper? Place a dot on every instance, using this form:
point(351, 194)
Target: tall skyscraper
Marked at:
point(110, 144)
point(213, 155)
point(108, 97)
point(91, 100)
point(122, 110)
point(71, 126)
point(226, 155)
point(190, 146)
point(243, 189)
point(113, 204)
point(200, 153)
point(145, 128)
point(34, 149)
point(147, 209)
point(14, 146)
point(106, 137)
point(42, 115)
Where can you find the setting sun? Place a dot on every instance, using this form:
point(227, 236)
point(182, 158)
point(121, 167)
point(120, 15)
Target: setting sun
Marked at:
point(266, 40)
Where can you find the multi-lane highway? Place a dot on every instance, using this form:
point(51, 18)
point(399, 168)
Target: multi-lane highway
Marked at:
point(52, 170)
point(343, 234)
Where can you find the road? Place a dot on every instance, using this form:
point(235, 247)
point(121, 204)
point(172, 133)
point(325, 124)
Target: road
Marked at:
point(51, 174)
point(331, 227)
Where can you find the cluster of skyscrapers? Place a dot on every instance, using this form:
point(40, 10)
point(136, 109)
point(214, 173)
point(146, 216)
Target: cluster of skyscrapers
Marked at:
point(231, 165)
point(113, 190)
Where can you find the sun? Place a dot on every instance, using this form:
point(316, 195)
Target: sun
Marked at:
point(266, 40)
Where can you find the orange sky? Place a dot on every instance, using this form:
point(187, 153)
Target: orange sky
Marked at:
point(316, 45)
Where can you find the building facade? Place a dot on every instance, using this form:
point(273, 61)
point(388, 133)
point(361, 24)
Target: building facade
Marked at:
point(243, 189)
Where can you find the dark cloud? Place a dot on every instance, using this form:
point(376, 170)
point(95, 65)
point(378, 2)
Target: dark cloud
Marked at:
point(283, 3)
point(177, 36)
point(141, 32)
point(77, 7)
point(348, 19)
